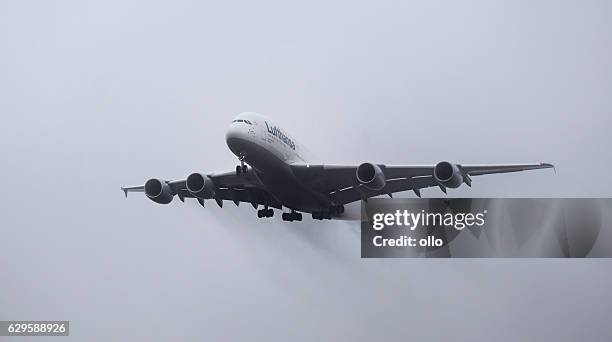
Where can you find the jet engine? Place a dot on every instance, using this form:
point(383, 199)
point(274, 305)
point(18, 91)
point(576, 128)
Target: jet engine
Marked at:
point(448, 174)
point(371, 176)
point(158, 191)
point(201, 186)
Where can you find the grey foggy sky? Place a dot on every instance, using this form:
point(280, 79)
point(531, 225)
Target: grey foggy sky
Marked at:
point(95, 96)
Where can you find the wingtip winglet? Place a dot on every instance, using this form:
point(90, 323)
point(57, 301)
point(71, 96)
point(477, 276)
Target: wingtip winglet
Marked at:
point(125, 191)
point(549, 166)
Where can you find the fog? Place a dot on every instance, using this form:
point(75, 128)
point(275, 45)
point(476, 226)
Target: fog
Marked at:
point(95, 96)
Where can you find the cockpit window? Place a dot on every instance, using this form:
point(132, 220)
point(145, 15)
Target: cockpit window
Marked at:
point(245, 121)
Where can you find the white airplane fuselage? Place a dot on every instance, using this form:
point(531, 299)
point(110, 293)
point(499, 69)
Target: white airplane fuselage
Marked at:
point(270, 151)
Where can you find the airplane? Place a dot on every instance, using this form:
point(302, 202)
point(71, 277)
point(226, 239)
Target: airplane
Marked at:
point(275, 172)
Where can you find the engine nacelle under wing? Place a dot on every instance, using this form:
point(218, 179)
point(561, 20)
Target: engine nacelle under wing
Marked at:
point(371, 176)
point(448, 174)
point(158, 191)
point(201, 186)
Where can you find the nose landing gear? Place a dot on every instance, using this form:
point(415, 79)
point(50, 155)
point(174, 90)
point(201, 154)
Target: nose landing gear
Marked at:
point(242, 168)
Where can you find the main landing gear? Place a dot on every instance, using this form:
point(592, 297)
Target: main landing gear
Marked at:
point(265, 213)
point(242, 168)
point(327, 214)
point(292, 216)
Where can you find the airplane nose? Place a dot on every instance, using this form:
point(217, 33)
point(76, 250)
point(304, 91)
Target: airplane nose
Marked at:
point(235, 137)
point(232, 132)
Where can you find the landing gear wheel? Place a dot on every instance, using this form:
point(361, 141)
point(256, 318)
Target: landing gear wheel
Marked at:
point(265, 213)
point(322, 215)
point(241, 169)
point(292, 216)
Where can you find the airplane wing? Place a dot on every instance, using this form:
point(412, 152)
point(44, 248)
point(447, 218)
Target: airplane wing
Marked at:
point(229, 186)
point(340, 182)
